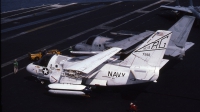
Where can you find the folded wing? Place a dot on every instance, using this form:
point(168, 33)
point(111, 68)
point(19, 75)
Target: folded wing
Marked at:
point(87, 65)
point(178, 8)
point(128, 42)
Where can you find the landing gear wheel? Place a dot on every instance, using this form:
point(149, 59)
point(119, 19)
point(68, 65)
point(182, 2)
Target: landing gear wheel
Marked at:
point(42, 82)
point(36, 58)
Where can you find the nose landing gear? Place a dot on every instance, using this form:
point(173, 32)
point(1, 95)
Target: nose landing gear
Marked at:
point(41, 81)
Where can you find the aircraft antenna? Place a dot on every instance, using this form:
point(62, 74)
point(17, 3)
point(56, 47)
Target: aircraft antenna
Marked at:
point(191, 3)
point(177, 2)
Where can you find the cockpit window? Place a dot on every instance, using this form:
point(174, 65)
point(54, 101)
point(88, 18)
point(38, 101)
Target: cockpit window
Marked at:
point(44, 60)
point(90, 40)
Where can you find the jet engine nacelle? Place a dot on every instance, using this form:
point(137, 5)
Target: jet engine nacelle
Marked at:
point(65, 92)
point(68, 89)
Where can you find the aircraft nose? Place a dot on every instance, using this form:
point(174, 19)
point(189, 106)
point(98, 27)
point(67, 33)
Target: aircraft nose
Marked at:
point(79, 47)
point(30, 68)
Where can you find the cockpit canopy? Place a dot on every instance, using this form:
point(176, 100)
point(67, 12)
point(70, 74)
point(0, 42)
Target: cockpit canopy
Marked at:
point(44, 60)
point(90, 40)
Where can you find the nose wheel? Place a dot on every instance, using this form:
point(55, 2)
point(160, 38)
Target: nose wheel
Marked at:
point(87, 91)
point(41, 81)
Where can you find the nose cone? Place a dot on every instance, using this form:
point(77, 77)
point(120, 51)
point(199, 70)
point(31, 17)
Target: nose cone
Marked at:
point(31, 68)
point(78, 47)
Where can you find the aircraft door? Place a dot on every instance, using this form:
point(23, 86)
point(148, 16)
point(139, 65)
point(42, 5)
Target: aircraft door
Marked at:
point(39, 71)
point(55, 73)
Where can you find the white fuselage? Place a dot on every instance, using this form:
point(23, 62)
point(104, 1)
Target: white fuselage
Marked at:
point(98, 44)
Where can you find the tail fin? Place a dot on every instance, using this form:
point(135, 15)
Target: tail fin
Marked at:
point(177, 44)
point(181, 30)
point(151, 51)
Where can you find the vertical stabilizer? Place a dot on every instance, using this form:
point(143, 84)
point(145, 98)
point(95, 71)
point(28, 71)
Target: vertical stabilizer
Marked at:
point(146, 61)
point(181, 30)
point(151, 51)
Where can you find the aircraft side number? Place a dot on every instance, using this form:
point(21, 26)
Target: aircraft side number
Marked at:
point(146, 54)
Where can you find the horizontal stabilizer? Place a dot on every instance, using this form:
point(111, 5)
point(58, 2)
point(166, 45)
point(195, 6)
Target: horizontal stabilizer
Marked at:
point(177, 51)
point(163, 62)
point(147, 72)
point(172, 52)
point(128, 42)
point(188, 45)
